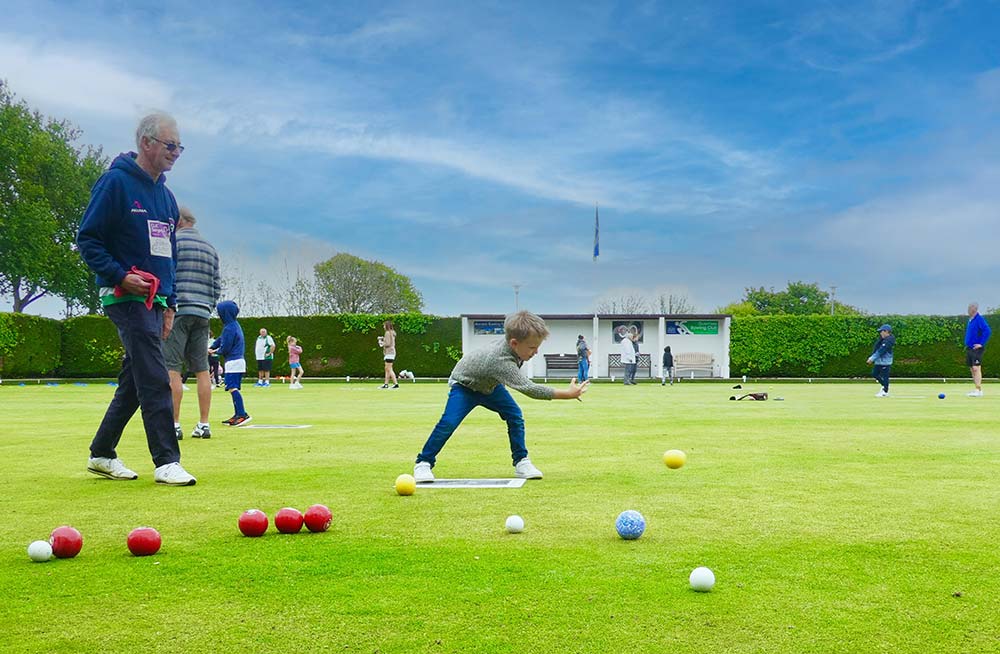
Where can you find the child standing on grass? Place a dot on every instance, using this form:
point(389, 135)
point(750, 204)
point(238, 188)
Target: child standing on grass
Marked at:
point(294, 351)
point(388, 344)
point(881, 358)
point(668, 367)
point(230, 346)
point(481, 378)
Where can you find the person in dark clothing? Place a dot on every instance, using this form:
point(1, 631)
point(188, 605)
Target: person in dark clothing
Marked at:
point(127, 238)
point(881, 358)
point(668, 367)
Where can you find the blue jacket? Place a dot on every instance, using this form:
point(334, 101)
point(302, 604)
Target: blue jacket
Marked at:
point(977, 332)
point(230, 344)
point(882, 353)
point(130, 222)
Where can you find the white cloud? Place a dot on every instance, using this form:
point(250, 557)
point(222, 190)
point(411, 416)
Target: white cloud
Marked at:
point(78, 77)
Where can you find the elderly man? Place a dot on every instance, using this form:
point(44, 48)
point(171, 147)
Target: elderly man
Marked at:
point(127, 238)
point(264, 350)
point(977, 332)
point(198, 284)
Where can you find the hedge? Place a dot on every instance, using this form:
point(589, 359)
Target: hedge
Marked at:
point(90, 348)
point(337, 346)
point(29, 345)
point(342, 345)
point(838, 346)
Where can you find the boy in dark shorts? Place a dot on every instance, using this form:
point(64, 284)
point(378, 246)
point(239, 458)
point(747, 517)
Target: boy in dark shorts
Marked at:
point(230, 346)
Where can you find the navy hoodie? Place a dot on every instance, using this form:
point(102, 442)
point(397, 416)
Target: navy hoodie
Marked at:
point(230, 344)
point(130, 222)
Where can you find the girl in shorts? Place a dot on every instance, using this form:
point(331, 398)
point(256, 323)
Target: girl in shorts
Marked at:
point(388, 343)
point(294, 352)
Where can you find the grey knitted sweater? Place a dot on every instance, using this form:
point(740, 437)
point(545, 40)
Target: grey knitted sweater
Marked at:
point(197, 281)
point(484, 369)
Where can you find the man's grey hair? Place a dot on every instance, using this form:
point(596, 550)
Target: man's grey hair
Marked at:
point(187, 216)
point(151, 125)
point(974, 305)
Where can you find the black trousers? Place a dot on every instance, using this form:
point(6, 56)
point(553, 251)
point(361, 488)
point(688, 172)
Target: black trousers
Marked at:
point(142, 383)
point(881, 375)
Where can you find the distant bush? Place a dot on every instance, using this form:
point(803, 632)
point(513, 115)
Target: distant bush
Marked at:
point(838, 346)
point(90, 348)
point(29, 345)
point(342, 345)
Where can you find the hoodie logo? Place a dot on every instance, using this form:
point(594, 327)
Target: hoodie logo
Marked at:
point(137, 208)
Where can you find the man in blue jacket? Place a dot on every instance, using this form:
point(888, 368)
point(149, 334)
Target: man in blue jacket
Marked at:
point(127, 238)
point(977, 332)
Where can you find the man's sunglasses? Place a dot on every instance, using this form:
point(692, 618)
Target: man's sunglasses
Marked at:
point(169, 146)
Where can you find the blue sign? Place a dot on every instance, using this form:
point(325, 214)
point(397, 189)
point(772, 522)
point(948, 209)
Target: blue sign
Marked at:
point(488, 327)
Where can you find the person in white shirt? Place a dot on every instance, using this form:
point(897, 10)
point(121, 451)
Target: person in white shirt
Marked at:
point(264, 353)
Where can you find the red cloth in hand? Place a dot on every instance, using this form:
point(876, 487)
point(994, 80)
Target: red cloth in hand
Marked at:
point(154, 285)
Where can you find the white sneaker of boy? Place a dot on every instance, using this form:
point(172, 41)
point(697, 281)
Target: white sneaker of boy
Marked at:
point(525, 469)
point(422, 472)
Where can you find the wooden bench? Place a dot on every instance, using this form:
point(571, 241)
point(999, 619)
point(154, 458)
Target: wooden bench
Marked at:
point(692, 362)
point(615, 365)
point(561, 365)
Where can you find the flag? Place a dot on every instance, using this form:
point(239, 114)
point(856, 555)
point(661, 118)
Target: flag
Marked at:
point(597, 234)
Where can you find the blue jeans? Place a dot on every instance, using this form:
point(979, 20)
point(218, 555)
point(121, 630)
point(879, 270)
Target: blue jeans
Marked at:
point(583, 369)
point(461, 401)
point(142, 383)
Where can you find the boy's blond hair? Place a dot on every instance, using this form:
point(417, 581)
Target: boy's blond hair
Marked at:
point(289, 340)
point(523, 324)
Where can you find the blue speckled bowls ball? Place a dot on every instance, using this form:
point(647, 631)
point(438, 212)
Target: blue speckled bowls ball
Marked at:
point(630, 525)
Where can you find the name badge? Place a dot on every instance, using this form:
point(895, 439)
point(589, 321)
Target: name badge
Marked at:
point(159, 239)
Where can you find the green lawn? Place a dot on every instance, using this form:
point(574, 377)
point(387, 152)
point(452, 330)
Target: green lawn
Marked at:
point(834, 522)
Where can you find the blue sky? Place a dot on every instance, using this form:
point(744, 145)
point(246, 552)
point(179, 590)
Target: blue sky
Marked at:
point(466, 144)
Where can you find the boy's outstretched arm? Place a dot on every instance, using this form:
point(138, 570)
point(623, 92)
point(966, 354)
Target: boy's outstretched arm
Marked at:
point(573, 392)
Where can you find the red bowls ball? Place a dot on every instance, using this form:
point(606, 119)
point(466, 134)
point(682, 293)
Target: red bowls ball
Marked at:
point(253, 523)
point(288, 521)
point(66, 542)
point(318, 518)
point(144, 541)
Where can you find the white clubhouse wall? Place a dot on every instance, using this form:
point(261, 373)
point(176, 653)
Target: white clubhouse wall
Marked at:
point(598, 332)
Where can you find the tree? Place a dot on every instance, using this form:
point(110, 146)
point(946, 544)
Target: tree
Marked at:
point(623, 304)
point(349, 284)
point(45, 184)
point(799, 298)
point(675, 303)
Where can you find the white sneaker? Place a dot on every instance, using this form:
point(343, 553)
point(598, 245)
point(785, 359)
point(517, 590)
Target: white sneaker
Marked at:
point(422, 472)
point(185, 387)
point(525, 469)
point(110, 468)
point(173, 474)
point(881, 393)
point(976, 394)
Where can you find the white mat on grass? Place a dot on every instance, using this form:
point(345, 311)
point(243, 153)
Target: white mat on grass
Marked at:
point(473, 483)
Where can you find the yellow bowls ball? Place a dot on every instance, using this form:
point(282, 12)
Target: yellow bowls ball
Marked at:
point(406, 484)
point(674, 458)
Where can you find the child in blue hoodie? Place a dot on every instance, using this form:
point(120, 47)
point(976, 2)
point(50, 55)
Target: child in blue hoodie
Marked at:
point(881, 358)
point(231, 347)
